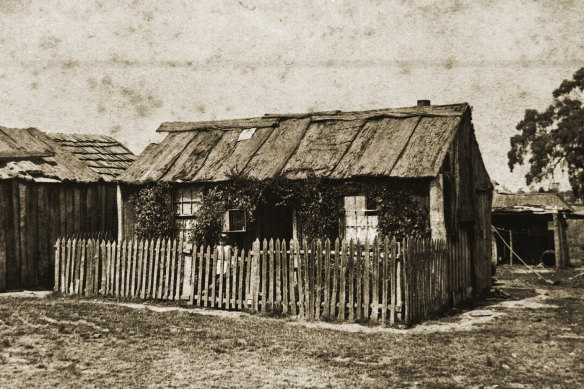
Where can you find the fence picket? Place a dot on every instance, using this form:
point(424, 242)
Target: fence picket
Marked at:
point(57, 269)
point(240, 289)
point(233, 275)
point(278, 275)
point(393, 285)
point(375, 282)
point(359, 276)
point(327, 280)
point(253, 275)
point(264, 274)
point(161, 264)
point(180, 260)
point(95, 272)
point(299, 278)
point(351, 265)
point(342, 282)
point(271, 275)
point(214, 276)
point(75, 267)
point(285, 275)
point(306, 279)
point(193, 275)
point(335, 275)
point(139, 268)
point(221, 276)
point(67, 268)
point(366, 280)
point(172, 285)
point(318, 279)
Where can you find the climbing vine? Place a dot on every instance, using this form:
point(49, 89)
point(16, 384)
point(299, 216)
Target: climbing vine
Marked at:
point(154, 213)
point(239, 192)
point(318, 205)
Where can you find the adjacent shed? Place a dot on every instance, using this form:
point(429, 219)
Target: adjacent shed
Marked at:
point(101, 153)
point(533, 226)
point(430, 150)
point(46, 191)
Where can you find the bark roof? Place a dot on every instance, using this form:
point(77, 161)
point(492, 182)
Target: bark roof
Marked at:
point(30, 154)
point(103, 154)
point(403, 142)
point(529, 202)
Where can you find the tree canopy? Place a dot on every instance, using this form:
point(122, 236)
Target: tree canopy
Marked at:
point(554, 137)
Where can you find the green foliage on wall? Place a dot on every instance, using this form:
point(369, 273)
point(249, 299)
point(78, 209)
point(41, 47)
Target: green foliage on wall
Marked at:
point(400, 212)
point(318, 204)
point(237, 193)
point(154, 212)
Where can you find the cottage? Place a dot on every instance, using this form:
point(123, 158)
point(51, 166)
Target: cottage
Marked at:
point(430, 151)
point(52, 185)
point(531, 226)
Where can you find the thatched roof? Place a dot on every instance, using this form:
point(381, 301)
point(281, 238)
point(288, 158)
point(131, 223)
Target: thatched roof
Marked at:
point(103, 154)
point(404, 142)
point(30, 154)
point(529, 202)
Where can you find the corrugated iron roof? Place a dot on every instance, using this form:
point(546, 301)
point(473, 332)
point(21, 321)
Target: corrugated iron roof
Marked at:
point(103, 154)
point(529, 202)
point(39, 158)
point(403, 142)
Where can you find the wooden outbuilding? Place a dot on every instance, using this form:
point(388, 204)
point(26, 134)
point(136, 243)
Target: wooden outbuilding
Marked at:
point(429, 150)
point(52, 185)
point(531, 227)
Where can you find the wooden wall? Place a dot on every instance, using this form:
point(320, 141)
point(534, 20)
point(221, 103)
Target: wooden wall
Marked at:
point(32, 217)
point(467, 194)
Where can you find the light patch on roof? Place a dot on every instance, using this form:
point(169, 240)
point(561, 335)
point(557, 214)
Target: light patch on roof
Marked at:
point(247, 133)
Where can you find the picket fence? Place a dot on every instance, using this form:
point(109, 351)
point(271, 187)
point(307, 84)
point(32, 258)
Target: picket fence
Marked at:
point(386, 281)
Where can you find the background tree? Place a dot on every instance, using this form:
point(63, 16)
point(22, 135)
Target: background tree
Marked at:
point(554, 137)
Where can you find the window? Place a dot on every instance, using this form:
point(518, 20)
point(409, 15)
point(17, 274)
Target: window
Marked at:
point(186, 201)
point(234, 221)
point(360, 218)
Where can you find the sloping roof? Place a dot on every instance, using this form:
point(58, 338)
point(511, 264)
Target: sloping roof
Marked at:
point(103, 154)
point(529, 202)
point(31, 155)
point(404, 142)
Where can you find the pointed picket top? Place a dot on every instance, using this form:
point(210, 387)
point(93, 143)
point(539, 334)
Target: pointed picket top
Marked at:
point(265, 245)
point(271, 244)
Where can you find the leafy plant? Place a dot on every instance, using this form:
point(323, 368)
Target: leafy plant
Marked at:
point(154, 212)
point(554, 137)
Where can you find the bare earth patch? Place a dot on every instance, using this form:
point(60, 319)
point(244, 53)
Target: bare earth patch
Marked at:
point(532, 338)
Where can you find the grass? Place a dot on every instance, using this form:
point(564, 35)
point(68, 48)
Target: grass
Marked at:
point(68, 342)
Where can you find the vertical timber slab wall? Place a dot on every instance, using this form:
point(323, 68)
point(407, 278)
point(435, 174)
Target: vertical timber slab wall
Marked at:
point(33, 215)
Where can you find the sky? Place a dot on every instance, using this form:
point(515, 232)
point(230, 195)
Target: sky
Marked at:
point(121, 68)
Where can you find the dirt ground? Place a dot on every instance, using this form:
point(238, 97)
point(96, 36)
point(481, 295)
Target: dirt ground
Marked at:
point(528, 334)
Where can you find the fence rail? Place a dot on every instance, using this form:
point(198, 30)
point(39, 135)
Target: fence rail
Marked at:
point(386, 281)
